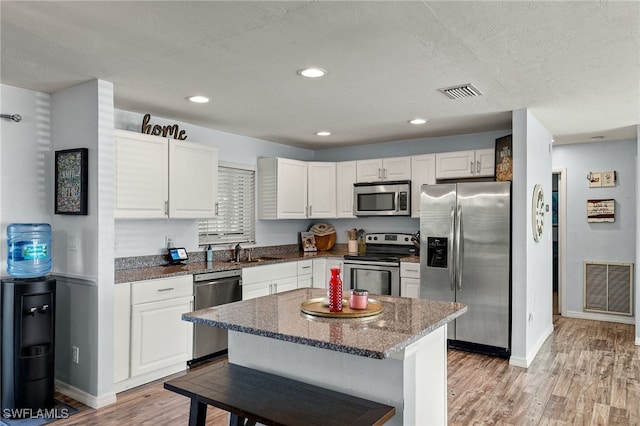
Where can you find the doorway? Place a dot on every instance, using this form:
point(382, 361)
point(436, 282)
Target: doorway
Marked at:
point(558, 221)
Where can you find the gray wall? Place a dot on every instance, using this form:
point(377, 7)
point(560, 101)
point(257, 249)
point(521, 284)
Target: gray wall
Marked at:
point(597, 241)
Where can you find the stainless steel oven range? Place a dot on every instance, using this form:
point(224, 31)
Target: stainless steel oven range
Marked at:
point(378, 270)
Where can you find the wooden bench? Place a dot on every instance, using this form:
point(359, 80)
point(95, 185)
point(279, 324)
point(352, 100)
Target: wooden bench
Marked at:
point(254, 396)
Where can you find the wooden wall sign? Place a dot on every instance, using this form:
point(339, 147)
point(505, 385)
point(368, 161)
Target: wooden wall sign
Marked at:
point(165, 131)
point(601, 210)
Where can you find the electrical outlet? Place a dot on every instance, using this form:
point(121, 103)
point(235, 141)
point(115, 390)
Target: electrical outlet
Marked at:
point(170, 241)
point(75, 354)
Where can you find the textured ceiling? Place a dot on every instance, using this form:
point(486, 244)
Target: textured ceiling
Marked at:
point(575, 65)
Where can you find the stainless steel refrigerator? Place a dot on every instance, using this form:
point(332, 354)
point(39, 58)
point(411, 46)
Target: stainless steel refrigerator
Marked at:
point(465, 256)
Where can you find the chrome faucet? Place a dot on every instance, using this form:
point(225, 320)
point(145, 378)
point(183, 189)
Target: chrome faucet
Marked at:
point(237, 250)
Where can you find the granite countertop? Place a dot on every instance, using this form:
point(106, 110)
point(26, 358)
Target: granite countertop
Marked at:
point(402, 322)
point(154, 272)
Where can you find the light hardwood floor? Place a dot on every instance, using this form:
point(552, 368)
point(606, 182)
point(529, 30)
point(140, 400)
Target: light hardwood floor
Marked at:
point(587, 373)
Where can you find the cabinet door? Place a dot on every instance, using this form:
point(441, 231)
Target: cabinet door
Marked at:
point(251, 291)
point(457, 164)
point(284, 284)
point(345, 178)
point(369, 170)
point(305, 281)
point(410, 287)
point(321, 191)
point(193, 180)
point(320, 273)
point(423, 172)
point(396, 168)
point(121, 331)
point(485, 162)
point(159, 337)
point(141, 176)
point(291, 189)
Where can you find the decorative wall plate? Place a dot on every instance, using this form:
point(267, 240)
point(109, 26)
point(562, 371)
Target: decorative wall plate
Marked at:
point(537, 212)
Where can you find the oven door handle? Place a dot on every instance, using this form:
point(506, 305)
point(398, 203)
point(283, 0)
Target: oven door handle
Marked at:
point(373, 263)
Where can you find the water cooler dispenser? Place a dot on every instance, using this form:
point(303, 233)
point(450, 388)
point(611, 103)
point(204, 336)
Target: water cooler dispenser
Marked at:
point(27, 321)
point(28, 328)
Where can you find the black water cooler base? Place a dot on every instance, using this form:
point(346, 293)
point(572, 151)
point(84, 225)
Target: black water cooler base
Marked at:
point(27, 321)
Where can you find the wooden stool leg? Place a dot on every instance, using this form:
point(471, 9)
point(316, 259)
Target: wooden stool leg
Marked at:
point(197, 413)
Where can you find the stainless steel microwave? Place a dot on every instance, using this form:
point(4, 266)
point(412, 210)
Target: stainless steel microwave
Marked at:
point(382, 198)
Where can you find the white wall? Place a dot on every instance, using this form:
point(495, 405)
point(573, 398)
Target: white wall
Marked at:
point(531, 261)
point(412, 147)
point(26, 162)
point(597, 241)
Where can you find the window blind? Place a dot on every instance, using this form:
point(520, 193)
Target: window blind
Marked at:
point(236, 208)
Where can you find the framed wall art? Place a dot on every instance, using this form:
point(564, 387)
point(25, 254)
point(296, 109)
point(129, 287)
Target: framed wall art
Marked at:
point(71, 179)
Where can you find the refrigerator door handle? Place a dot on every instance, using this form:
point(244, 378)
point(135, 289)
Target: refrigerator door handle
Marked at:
point(459, 247)
point(450, 249)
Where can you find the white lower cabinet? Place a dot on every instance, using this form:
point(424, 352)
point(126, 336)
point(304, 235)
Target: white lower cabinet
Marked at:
point(264, 280)
point(150, 338)
point(322, 270)
point(410, 280)
point(305, 273)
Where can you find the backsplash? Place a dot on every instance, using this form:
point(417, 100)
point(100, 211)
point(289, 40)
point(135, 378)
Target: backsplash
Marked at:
point(199, 256)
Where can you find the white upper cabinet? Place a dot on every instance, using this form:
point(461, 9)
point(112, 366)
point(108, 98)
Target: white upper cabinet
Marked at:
point(321, 192)
point(193, 175)
point(383, 169)
point(486, 162)
point(157, 178)
point(141, 176)
point(423, 171)
point(282, 188)
point(345, 178)
point(464, 164)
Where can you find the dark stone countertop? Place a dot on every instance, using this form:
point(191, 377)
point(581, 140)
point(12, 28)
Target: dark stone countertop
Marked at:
point(154, 272)
point(278, 316)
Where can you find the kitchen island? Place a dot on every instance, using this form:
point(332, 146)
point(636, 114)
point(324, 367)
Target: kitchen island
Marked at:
point(397, 357)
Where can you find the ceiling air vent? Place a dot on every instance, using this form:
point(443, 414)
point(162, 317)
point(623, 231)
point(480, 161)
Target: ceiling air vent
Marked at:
point(461, 91)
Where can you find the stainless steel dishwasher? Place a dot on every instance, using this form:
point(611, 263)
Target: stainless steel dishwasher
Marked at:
point(213, 289)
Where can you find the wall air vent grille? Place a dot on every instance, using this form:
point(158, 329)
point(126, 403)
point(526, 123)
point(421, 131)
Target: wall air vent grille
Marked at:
point(461, 91)
point(608, 287)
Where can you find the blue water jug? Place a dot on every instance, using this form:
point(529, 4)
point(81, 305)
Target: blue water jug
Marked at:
point(29, 253)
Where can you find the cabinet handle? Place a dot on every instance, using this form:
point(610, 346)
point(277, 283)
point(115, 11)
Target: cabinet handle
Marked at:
point(166, 207)
point(306, 267)
point(379, 173)
point(478, 166)
point(216, 213)
point(384, 174)
point(165, 289)
point(472, 164)
point(310, 211)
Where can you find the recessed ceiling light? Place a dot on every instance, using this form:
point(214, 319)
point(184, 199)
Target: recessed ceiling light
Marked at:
point(198, 99)
point(418, 121)
point(312, 72)
point(323, 133)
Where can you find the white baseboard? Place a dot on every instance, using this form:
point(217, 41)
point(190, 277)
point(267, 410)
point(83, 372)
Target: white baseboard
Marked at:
point(526, 362)
point(145, 378)
point(595, 316)
point(84, 397)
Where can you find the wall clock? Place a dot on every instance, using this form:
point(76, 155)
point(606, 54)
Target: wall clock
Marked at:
point(537, 212)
